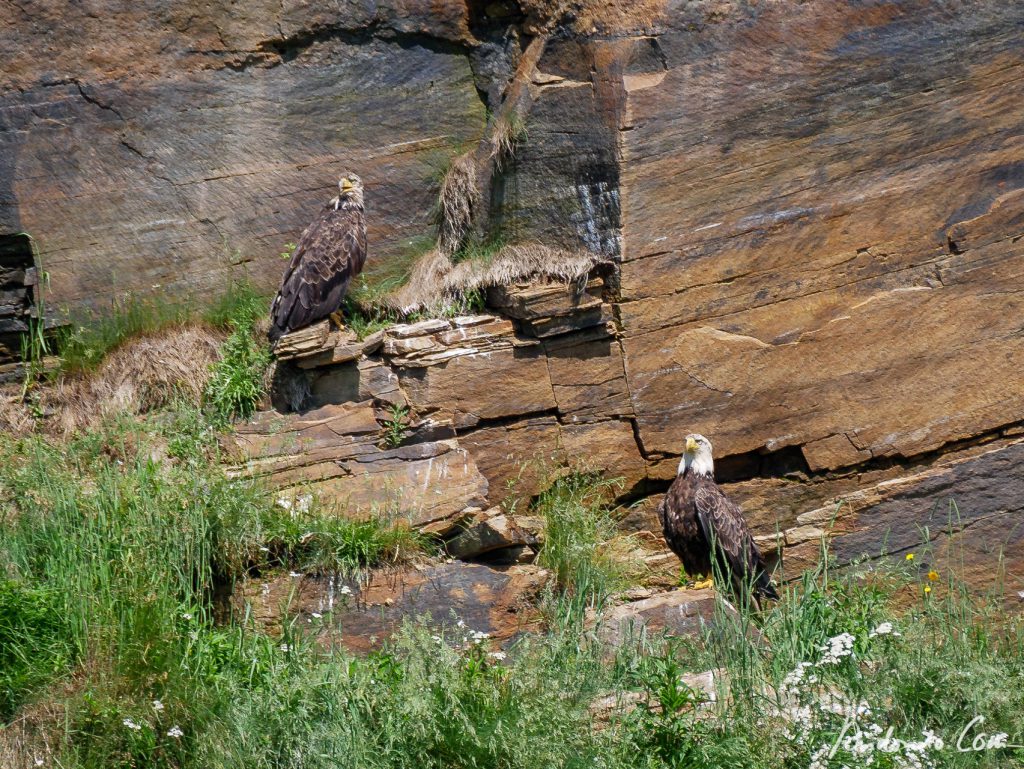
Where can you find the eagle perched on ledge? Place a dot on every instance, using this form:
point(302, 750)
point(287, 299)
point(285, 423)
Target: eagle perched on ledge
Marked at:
point(330, 252)
point(696, 516)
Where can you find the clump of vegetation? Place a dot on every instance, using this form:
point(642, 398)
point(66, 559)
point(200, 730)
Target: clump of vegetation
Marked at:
point(507, 133)
point(238, 381)
point(83, 346)
point(241, 305)
point(457, 199)
point(481, 251)
point(582, 545)
point(299, 536)
point(396, 425)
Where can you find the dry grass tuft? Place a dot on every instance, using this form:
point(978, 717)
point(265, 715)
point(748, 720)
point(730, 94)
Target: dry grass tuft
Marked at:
point(456, 200)
point(426, 284)
point(33, 737)
point(141, 375)
point(437, 283)
point(15, 416)
point(506, 133)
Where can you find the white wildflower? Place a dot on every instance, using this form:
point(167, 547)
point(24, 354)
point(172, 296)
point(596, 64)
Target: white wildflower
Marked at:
point(175, 731)
point(345, 590)
point(285, 503)
point(186, 615)
point(39, 762)
point(497, 655)
point(837, 647)
point(885, 628)
point(294, 574)
point(316, 615)
point(819, 759)
point(889, 744)
point(131, 725)
point(158, 705)
point(796, 676)
point(285, 648)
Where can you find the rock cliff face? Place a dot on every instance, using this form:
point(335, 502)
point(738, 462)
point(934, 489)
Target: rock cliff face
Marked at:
point(815, 212)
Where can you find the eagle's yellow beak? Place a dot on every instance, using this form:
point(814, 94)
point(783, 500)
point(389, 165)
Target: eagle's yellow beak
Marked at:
point(691, 445)
point(346, 185)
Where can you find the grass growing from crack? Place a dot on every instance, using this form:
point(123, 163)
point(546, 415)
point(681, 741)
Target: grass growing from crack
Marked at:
point(298, 535)
point(582, 545)
point(396, 425)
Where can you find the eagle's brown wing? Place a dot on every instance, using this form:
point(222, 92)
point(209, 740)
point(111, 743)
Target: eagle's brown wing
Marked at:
point(330, 252)
point(724, 527)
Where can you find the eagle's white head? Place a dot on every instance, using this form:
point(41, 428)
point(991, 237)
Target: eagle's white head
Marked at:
point(350, 192)
point(697, 456)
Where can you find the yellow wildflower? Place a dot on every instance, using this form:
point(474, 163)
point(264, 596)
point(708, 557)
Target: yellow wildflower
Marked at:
point(910, 556)
point(927, 589)
point(933, 576)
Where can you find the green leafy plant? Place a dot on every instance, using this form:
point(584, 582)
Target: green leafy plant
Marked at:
point(396, 425)
point(238, 379)
point(237, 383)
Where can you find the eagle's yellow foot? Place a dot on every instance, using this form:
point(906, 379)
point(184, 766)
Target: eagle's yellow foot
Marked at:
point(338, 320)
point(704, 584)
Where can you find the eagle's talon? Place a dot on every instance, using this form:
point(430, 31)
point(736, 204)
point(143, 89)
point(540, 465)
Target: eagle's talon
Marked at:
point(704, 584)
point(338, 320)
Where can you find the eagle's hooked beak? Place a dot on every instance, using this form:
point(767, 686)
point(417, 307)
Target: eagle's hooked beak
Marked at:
point(691, 445)
point(346, 185)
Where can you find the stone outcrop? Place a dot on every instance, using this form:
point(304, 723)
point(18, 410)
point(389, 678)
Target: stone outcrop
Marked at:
point(19, 280)
point(460, 597)
point(490, 412)
point(678, 613)
point(814, 213)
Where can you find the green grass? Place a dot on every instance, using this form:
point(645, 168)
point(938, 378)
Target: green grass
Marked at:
point(115, 548)
point(476, 250)
point(83, 345)
point(582, 546)
point(316, 541)
point(238, 380)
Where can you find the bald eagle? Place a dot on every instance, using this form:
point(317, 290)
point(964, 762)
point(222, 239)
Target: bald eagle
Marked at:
point(696, 516)
point(330, 252)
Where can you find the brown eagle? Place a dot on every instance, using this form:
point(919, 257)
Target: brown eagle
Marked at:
point(696, 516)
point(330, 252)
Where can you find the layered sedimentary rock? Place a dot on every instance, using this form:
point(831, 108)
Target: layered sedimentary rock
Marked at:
point(19, 280)
point(815, 212)
point(487, 412)
point(164, 148)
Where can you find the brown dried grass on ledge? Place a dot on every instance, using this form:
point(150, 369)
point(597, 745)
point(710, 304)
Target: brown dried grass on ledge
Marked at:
point(142, 374)
point(437, 282)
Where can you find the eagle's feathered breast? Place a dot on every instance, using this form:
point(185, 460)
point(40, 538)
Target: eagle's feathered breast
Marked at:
point(330, 252)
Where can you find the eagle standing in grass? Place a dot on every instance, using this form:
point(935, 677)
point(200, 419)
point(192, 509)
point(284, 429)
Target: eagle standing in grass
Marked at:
point(696, 516)
point(330, 252)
